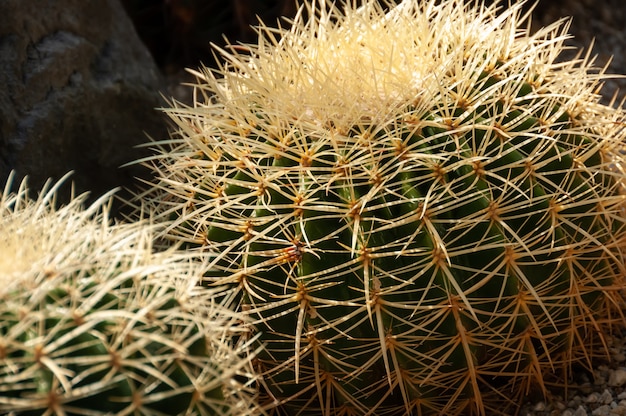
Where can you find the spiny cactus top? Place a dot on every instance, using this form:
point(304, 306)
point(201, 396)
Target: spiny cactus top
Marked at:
point(420, 205)
point(92, 322)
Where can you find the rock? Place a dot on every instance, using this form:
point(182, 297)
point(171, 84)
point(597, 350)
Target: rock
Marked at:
point(604, 410)
point(618, 409)
point(593, 398)
point(580, 411)
point(606, 397)
point(617, 377)
point(79, 91)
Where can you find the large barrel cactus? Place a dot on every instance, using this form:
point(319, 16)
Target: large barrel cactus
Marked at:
point(92, 322)
point(420, 207)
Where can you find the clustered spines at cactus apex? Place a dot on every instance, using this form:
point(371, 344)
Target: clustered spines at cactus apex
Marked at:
point(93, 321)
point(420, 206)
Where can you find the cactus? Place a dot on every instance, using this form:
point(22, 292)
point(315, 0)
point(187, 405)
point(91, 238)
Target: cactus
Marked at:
point(420, 207)
point(93, 322)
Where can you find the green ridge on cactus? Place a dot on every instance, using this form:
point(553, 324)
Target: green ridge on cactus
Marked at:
point(421, 209)
point(94, 322)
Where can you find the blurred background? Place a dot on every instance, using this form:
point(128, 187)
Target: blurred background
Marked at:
point(178, 33)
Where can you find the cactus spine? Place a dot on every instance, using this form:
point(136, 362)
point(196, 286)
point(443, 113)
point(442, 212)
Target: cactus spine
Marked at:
point(419, 206)
point(93, 322)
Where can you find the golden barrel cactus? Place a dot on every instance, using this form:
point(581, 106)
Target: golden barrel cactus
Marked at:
point(419, 206)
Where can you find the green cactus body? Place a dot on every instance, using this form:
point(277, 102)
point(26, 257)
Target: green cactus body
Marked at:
point(420, 208)
point(93, 322)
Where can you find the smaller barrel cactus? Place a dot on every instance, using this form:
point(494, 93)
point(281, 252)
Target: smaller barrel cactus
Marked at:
point(94, 322)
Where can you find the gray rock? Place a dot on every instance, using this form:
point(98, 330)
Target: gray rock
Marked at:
point(78, 90)
point(617, 377)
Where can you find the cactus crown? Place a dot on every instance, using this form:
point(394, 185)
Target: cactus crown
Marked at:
point(419, 204)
